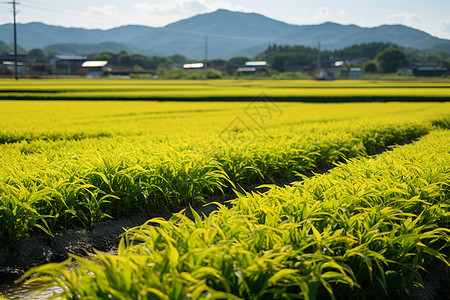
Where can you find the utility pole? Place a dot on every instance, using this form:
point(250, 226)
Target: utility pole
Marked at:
point(206, 57)
point(319, 60)
point(16, 73)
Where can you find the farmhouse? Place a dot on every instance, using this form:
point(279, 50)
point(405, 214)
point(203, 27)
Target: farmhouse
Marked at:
point(7, 63)
point(66, 64)
point(254, 68)
point(428, 69)
point(93, 69)
point(77, 65)
point(193, 67)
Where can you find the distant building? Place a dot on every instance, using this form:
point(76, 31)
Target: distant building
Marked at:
point(77, 65)
point(355, 72)
point(428, 69)
point(254, 68)
point(351, 72)
point(194, 66)
point(359, 61)
point(93, 68)
point(67, 65)
point(7, 64)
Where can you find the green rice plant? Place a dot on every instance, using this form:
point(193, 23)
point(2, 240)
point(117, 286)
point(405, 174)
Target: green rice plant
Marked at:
point(304, 90)
point(348, 234)
point(97, 178)
point(87, 161)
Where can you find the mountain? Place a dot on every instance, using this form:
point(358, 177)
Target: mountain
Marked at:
point(336, 36)
point(72, 48)
point(39, 35)
point(228, 33)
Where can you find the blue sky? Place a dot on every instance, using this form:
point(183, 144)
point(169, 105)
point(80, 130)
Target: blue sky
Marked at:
point(432, 16)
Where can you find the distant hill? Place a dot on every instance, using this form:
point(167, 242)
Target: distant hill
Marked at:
point(229, 33)
point(39, 35)
point(86, 49)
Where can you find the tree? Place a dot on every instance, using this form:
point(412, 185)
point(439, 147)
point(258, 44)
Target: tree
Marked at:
point(237, 61)
point(5, 48)
point(109, 56)
point(139, 60)
point(371, 66)
point(391, 59)
point(51, 54)
point(278, 62)
point(36, 54)
point(123, 59)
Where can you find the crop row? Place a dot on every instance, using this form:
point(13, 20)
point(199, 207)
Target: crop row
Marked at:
point(368, 227)
point(65, 184)
point(25, 121)
point(222, 90)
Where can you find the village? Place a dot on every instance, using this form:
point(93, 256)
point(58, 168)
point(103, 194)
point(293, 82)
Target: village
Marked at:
point(87, 66)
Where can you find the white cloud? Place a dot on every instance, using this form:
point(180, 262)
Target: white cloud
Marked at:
point(444, 26)
point(323, 12)
point(403, 18)
point(184, 7)
point(105, 10)
point(229, 6)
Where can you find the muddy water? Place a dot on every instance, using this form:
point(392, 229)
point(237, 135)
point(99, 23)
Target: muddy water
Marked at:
point(36, 290)
point(27, 291)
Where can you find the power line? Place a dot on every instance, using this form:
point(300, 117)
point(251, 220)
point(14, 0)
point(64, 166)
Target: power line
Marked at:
point(206, 57)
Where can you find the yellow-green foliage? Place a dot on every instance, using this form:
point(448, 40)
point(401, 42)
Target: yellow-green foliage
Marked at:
point(364, 230)
point(71, 164)
point(108, 89)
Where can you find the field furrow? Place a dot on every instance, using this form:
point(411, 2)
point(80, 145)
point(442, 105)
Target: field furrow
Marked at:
point(369, 227)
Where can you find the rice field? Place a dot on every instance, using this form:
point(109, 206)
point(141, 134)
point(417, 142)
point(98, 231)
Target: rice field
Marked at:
point(371, 225)
point(367, 229)
point(225, 90)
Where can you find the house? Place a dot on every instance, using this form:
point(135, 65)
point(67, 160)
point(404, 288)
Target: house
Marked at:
point(359, 61)
point(67, 64)
point(193, 67)
point(355, 72)
point(93, 69)
point(77, 65)
point(351, 72)
point(254, 68)
point(7, 63)
point(428, 69)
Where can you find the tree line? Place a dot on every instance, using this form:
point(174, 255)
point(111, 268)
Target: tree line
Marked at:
point(383, 57)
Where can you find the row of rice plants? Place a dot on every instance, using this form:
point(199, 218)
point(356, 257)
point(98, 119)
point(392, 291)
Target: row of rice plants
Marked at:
point(365, 230)
point(220, 89)
point(25, 121)
point(310, 95)
point(82, 182)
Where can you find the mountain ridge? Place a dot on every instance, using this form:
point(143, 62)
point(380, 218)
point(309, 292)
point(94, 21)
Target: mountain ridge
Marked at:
point(229, 33)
